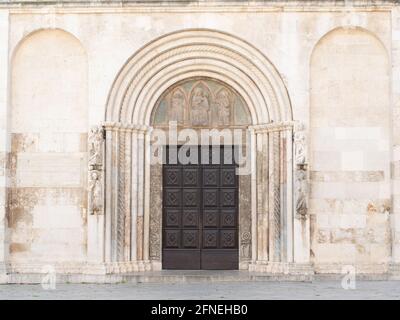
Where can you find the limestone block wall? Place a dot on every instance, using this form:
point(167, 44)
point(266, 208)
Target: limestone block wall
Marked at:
point(395, 157)
point(47, 195)
point(4, 145)
point(57, 66)
point(350, 143)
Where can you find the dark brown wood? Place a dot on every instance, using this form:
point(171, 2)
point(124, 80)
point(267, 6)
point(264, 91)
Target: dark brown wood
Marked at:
point(200, 210)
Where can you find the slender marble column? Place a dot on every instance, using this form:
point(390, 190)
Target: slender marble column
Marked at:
point(146, 223)
point(134, 196)
point(289, 195)
point(108, 192)
point(127, 195)
point(262, 195)
point(253, 150)
point(140, 206)
point(274, 197)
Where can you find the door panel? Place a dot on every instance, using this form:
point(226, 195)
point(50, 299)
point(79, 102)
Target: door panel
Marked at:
point(200, 212)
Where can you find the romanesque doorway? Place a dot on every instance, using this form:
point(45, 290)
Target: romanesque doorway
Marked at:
point(200, 209)
point(194, 84)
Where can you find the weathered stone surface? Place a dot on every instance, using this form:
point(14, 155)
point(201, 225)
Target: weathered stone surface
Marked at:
point(155, 212)
point(201, 103)
point(331, 66)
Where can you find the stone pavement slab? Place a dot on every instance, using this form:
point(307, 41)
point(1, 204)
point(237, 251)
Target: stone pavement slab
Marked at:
point(223, 290)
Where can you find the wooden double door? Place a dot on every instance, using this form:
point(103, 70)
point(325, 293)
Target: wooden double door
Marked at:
point(200, 209)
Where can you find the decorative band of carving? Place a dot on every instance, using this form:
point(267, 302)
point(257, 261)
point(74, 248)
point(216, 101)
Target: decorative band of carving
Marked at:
point(121, 199)
point(301, 172)
point(125, 127)
point(95, 170)
point(273, 127)
point(277, 196)
point(210, 51)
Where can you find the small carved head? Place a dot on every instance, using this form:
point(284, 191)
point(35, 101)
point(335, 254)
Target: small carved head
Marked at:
point(94, 175)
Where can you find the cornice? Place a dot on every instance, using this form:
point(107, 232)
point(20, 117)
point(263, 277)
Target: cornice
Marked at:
point(149, 6)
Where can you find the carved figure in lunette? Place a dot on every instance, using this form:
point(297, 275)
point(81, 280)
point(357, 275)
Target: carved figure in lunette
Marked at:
point(223, 103)
point(200, 107)
point(177, 106)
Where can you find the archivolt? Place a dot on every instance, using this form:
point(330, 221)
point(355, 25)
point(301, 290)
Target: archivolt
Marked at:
point(184, 54)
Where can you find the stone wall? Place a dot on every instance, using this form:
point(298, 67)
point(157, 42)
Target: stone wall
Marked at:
point(47, 173)
point(4, 144)
point(60, 64)
point(350, 143)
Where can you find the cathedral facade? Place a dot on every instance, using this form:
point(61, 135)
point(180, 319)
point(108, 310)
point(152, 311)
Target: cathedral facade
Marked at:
point(139, 136)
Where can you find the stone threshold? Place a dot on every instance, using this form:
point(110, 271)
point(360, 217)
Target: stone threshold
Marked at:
point(185, 276)
point(299, 274)
point(164, 276)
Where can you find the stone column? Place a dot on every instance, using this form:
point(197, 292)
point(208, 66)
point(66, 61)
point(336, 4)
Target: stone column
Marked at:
point(127, 196)
point(134, 196)
point(288, 194)
point(4, 141)
point(140, 200)
point(274, 197)
point(146, 222)
point(254, 221)
point(395, 165)
point(127, 200)
point(108, 194)
point(262, 196)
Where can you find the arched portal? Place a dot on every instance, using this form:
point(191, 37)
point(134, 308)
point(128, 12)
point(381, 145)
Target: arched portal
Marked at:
point(212, 227)
point(207, 58)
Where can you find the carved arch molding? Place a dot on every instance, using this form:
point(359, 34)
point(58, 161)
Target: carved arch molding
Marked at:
point(234, 85)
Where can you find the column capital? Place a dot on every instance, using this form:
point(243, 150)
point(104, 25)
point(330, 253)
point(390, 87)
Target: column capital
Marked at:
point(273, 127)
point(125, 127)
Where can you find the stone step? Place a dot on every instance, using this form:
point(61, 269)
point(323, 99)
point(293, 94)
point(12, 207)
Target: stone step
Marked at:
point(160, 277)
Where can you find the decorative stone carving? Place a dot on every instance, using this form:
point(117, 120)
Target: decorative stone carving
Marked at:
point(245, 245)
point(177, 106)
point(95, 192)
point(96, 138)
point(301, 194)
point(201, 103)
point(223, 103)
point(95, 176)
point(301, 172)
point(200, 106)
point(300, 146)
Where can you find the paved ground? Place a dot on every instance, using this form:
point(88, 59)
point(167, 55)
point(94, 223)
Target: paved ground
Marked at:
point(226, 290)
